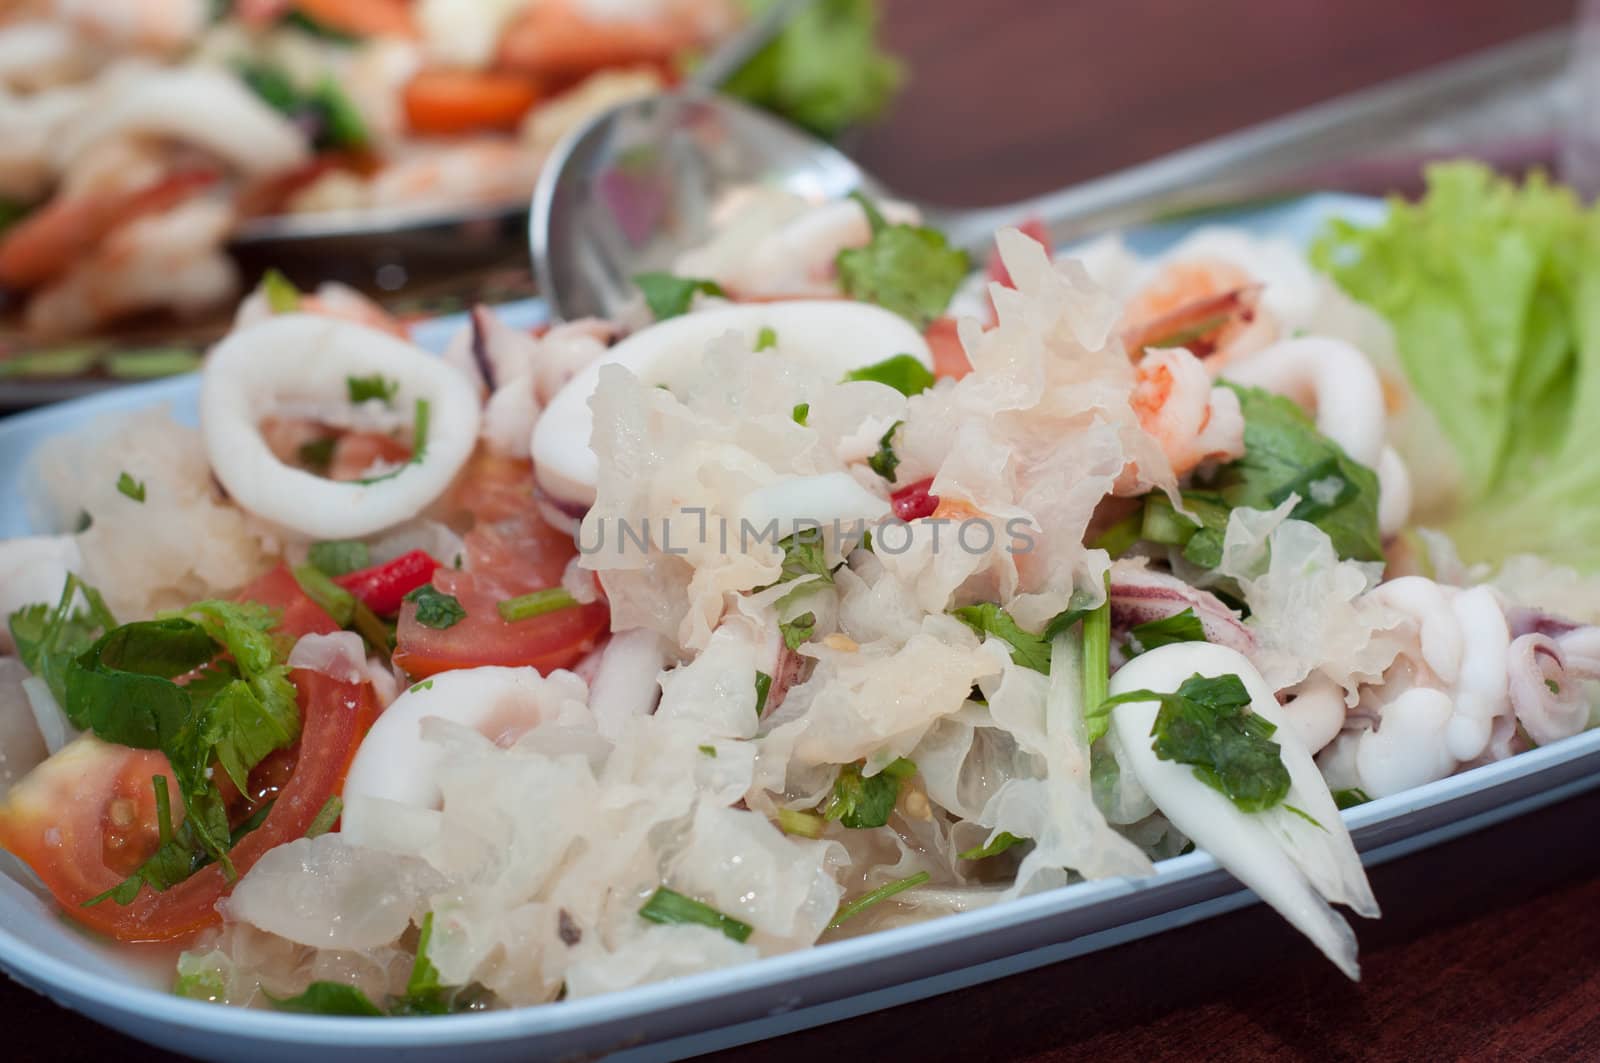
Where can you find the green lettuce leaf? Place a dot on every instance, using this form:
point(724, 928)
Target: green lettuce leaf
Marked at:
point(1493, 290)
point(825, 71)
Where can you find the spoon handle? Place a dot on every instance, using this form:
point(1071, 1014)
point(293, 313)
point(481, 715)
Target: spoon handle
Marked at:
point(731, 55)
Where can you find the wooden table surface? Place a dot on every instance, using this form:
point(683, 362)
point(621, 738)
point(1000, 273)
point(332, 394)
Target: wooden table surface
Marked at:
point(1488, 945)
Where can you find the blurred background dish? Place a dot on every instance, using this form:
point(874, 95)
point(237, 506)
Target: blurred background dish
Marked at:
point(158, 156)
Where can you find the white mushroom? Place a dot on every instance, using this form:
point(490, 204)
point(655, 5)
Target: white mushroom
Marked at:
point(833, 335)
point(1295, 865)
point(301, 358)
point(397, 765)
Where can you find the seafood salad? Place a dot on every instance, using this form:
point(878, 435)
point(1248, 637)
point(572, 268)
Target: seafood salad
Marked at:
point(137, 135)
point(839, 590)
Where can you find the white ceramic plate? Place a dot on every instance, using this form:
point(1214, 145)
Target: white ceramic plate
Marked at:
point(720, 1008)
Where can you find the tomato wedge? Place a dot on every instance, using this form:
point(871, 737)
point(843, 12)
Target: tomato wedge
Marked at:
point(448, 102)
point(85, 819)
point(949, 357)
point(557, 639)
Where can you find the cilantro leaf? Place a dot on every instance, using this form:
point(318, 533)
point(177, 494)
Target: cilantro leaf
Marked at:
point(328, 998)
point(1208, 725)
point(763, 688)
point(766, 339)
point(435, 608)
point(911, 270)
point(1285, 455)
point(904, 372)
point(365, 388)
point(795, 632)
point(1027, 649)
point(994, 847)
point(128, 486)
point(49, 639)
point(1180, 627)
point(281, 294)
point(861, 801)
point(671, 296)
point(885, 461)
point(802, 412)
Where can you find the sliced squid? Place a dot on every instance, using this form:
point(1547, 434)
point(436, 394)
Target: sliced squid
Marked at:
point(195, 105)
point(1295, 865)
point(396, 765)
point(835, 336)
point(298, 358)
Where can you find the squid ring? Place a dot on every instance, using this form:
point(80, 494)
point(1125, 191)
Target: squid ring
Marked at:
point(300, 357)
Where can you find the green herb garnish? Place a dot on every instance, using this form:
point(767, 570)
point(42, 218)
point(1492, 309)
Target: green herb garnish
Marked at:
point(1180, 627)
point(885, 461)
point(903, 372)
point(435, 608)
point(538, 603)
point(339, 558)
point(376, 386)
point(865, 801)
point(994, 847)
point(1027, 649)
point(130, 487)
point(673, 908)
point(1208, 725)
point(909, 269)
point(670, 296)
point(882, 893)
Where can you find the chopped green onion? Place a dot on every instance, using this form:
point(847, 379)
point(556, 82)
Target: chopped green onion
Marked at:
point(1097, 664)
point(376, 632)
point(334, 599)
point(150, 364)
point(803, 824)
point(536, 604)
point(339, 558)
point(281, 294)
point(673, 908)
point(882, 893)
point(766, 338)
point(710, 751)
point(325, 819)
point(1002, 841)
point(802, 411)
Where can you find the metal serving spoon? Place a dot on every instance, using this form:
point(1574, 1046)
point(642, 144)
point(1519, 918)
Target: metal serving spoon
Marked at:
point(636, 186)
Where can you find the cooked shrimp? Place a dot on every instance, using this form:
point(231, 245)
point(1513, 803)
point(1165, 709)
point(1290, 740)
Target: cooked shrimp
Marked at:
point(301, 357)
point(473, 173)
point(1210, 307)
point(564, 40)
point(1193, 421)
point(169, 260)
point(150, 25)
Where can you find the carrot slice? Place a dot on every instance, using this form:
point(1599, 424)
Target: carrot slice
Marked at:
point(361, 18)
point(446, 102)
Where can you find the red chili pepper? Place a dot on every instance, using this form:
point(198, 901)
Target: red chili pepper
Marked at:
point(914, 501)
point(383, 587)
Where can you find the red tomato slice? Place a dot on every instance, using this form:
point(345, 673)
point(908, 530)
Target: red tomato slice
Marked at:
point(949, 357)
point(557, 639)
point(85, 819)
